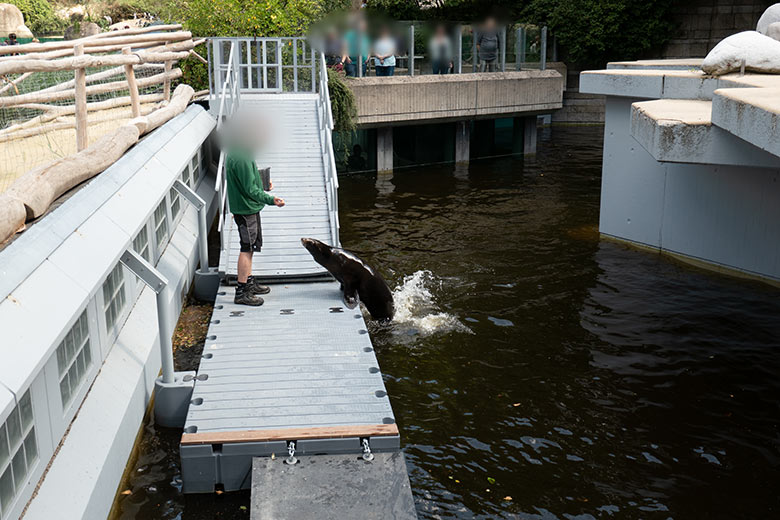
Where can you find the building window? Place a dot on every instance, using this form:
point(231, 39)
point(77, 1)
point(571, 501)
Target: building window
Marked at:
point(114, 296)
point(175, 203)
point(18, 451)
point(141, 244)
point(195, 167)
point(160, 226)
point(74, 359)
point(186, 178)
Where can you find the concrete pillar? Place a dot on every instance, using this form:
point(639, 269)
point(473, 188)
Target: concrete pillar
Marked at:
point(529, 135)
point(384, 149)
point(462, 142)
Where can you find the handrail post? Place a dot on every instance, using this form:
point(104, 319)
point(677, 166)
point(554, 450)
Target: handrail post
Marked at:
point(543, 49)
point(459, 68)
point(521, 37)
point(411, 49)
point(503, 49)
point(473, 49)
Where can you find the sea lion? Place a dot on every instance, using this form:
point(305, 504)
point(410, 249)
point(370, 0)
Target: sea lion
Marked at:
point(359, 281)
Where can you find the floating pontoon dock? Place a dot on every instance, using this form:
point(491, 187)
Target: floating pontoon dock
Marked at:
point(295, 380)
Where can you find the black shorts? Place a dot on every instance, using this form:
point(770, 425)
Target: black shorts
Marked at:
point(250, 233)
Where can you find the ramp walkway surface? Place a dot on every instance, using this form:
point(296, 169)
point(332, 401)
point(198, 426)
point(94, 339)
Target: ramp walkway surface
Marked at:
point(298, 175)
point(293, 385)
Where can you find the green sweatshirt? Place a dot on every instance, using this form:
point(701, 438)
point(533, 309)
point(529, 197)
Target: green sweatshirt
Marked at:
point(244, 188)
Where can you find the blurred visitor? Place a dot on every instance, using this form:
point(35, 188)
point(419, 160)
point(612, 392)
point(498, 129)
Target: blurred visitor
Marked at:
point(487, 46)
point(356, 161)
point(384, 53)
point(358, 48)
point(333, 50)
point(12, 39)
point(440, 51)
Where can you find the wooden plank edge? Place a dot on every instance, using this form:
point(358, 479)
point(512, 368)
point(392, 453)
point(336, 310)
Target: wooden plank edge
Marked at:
point(290, 434)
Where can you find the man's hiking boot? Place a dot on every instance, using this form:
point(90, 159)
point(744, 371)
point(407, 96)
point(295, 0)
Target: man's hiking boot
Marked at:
point(255, 287)
point(244, 296)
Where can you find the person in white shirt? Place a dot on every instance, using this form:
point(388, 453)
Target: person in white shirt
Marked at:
point(384, 53)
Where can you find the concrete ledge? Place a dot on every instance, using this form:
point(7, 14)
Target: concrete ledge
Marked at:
point(425, 99)
point(751, 114)
point(672, 64)
point(674, 130)
point(667, 84)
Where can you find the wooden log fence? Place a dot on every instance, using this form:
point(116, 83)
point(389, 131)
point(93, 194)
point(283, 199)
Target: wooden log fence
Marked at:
point(120, 53)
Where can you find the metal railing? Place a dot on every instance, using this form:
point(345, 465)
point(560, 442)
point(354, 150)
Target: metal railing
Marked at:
point(283, 64)
point(325, 114)
point(521, 47)
point(232, 72)
point(228, 93)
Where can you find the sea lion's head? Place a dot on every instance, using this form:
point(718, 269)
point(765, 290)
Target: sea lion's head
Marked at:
point(320, 251)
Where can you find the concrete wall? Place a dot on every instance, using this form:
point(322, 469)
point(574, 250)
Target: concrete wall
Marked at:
point(405, 100)
point(703, 23)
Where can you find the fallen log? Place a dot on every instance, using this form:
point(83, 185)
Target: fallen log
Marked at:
point(38, 188)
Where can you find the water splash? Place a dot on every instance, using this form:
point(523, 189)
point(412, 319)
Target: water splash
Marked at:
point(415, 307)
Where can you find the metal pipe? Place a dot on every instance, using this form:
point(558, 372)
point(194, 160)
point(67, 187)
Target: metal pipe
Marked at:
point(411, 49)
point(522, 47)
point(473, 50)
point(164, 322)
point(503, 49)
point(518, 35)
point(159, 284)
point(543, 50)
point(459, 69)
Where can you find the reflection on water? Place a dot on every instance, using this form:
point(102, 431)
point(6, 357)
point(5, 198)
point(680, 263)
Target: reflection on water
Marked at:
point(596, 381)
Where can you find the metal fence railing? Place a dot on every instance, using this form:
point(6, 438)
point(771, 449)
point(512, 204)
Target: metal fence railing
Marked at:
point(228, 94)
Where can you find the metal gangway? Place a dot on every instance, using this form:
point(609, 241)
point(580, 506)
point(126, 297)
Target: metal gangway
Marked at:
point(295, 380)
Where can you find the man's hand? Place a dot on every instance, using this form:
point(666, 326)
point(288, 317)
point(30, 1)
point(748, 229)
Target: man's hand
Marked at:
point(270, 185)
point(278, 202)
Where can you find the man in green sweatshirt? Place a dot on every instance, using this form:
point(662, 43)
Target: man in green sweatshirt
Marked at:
point(246, 198)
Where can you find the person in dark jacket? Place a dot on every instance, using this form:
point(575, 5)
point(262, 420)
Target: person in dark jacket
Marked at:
point(488, 45)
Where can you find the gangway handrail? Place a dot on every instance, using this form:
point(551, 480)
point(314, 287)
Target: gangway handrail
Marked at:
point(328, 157)
point(231, 86)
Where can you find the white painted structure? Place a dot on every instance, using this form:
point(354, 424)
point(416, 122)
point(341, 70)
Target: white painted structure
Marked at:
point(80, 338)
point(692, 164)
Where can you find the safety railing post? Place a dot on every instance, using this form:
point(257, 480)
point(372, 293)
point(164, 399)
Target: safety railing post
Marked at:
point(473, 49)
point(411, 49)
point(521, 53)
point(503, 49)
point(158, 283)
point(459, 68)
point(543, 50)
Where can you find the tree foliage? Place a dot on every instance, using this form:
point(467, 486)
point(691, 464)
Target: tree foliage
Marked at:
point(39, 16)
point(592, 32)
point(244, 18)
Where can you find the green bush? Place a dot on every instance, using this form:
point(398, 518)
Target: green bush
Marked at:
point(195, 73)
point(592, 32)
point(39, 16)
point(239, 18)
point(342, 101)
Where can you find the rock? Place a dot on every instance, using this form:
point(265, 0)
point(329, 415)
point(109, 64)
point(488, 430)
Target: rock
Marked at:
point(81, 30)
point(760, 54)
point(770, 16)
point(773, 31)
point(12, 21)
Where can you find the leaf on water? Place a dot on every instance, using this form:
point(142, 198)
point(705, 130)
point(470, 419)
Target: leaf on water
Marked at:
point(273, 456)
point(491, 480)
point(219, 492)
point(242, 508)
point(516, 405)
point(457, 481)
point(127, 492)
point(508, 498)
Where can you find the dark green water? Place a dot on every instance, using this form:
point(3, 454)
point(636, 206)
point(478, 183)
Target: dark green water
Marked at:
point(539, 372)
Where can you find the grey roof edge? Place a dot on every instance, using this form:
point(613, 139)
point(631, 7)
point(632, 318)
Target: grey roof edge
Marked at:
point(25, 254)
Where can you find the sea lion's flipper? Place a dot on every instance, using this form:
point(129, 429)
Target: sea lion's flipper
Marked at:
point(351, 298)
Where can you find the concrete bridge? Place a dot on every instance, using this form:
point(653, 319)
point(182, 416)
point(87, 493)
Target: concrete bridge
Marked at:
point(386, 102)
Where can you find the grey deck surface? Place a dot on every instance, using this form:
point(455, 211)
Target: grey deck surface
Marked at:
point(325, 487)
point(301, 360)
point(298, 175)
